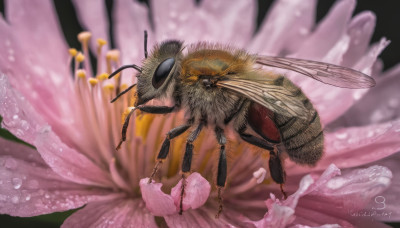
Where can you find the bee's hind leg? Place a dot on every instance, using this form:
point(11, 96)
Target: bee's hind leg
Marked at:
point(187, 161)
point(222, 167)
point(276, 169)
point(165, 146)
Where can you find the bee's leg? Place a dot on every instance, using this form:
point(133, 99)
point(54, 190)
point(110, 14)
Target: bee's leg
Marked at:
point(276, 170)
point(125, 128)
point(187, 161)
point(275, 164)
point(222, 167)
point(165, 146)
point(147, 109)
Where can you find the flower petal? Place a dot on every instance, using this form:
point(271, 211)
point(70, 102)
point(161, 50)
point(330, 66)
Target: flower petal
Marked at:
point(360, 31)
point(69, 163)
point(157, 202)
point(356, 146)
point(328, 32)
point(116, 213)
point(381, 103)
point(197, 190)
point(224, 14)
point(286, 27)
point(384, 207)
point(93, 16)
point(29, 187)
point(130, 20)
point(25, 16)
point(195, 218)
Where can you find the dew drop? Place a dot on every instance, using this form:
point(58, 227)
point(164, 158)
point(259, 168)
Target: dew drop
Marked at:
point(17, 182)
point(46, 196)
point(15, 117)
point(303, 31)
point(28, 197)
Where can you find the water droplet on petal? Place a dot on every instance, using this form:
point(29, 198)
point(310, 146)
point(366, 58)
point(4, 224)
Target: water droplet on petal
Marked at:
point(15, 117)
point(17, 182)
point(28, 197)
point(341, 135)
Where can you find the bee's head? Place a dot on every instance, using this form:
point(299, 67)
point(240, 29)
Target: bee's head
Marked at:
point(159, 71)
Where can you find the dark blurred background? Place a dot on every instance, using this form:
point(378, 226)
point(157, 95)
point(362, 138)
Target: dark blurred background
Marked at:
point(388, 25)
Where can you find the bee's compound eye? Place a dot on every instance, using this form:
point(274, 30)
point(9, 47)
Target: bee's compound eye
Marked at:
point(162, 72)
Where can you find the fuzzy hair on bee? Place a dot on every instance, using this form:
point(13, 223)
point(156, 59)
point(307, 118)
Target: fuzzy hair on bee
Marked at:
point(221, 87)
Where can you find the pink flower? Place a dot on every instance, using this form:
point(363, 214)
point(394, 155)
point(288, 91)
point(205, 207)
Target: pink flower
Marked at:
point(75, 129)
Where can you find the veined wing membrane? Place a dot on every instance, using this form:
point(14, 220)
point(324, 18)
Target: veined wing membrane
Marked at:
point(324, 72)
point(274, 97)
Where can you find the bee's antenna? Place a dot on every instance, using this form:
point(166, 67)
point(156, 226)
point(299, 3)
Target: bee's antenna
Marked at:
point(145, 44)
point(123, 68)
point(122, 93)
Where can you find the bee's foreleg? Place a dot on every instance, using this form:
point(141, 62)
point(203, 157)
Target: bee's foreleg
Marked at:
point(165, 146)
point(222, 167)
point(187, 160)
point(125, 128)
point(157, 109)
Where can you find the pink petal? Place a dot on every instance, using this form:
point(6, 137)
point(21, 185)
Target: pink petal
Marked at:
point(195, 218)
point(175, 20)
point(385, 206)
point(93, 16)
point(360, 31)
point(20, 119)
point(287, 25)
point(236, 30)
point(115, 213)
point(351, 147)
point(328, 32)
point(157, 202)
point(281, 214)
point(197, 190)
point(381, 103)
point(130, 21)
point(29, 187)
point(69, 163)
point(25, 18)
point(341, 196)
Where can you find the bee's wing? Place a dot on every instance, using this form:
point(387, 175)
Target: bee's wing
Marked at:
point(270, 94)
point(324, 72)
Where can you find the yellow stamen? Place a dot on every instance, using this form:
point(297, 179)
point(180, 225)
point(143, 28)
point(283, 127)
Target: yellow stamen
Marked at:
point(93, 81)
point(101, 42)
point(102, 76)
point(72, 52)
point(84, 37)
point(81, 73)
point(124, 86)
point(112, 55)
point(109, 87)
point(79, 57)
point(143, 124)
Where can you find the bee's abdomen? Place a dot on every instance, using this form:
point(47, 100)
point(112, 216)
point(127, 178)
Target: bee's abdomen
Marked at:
point(303, 139)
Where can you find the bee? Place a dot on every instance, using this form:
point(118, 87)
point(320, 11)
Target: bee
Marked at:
point(222, 87)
